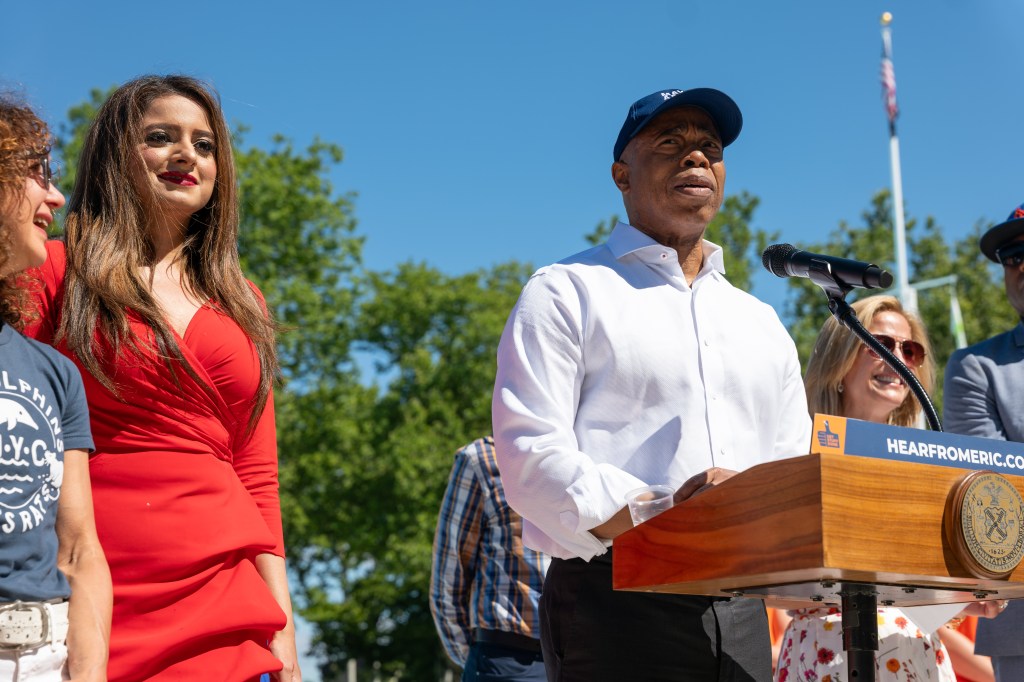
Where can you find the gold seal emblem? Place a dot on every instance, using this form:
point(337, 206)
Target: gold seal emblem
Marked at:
point(985, 522)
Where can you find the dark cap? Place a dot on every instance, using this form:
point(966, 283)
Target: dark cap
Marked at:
point(719, 106)
point(1005, 231)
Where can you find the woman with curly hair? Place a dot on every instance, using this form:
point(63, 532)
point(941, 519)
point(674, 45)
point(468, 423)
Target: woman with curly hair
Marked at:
point(54, 582)
point(177, 352)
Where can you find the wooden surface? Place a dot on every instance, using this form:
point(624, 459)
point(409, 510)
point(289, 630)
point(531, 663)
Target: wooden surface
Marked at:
point(795, 529)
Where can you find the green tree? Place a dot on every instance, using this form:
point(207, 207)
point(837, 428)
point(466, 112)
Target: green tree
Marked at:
point(71, 135)
point(431, 339)
point(297, 242)
point(742, 245)
point(982, 300)
point(601, 231)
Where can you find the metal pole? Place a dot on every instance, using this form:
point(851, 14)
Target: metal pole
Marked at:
point(948, 280)
point(907, 296)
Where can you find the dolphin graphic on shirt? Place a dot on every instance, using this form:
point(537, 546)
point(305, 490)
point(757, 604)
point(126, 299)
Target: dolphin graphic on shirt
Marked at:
point(13, 413)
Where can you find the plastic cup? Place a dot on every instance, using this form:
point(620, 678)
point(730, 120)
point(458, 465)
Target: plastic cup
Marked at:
point(647, 502)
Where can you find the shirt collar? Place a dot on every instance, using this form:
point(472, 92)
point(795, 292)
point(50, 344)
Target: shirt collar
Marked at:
point(626, 239)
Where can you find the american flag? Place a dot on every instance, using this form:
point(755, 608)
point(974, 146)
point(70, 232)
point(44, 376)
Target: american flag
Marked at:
point(889, 83)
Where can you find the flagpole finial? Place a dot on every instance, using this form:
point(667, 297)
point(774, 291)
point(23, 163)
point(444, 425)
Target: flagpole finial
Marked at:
point(886, 18)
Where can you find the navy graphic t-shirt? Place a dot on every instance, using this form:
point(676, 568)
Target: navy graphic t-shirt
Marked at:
point(42, 413)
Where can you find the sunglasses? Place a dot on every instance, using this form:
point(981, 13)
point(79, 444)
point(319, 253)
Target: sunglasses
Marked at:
point(44, 172)
point(1011, 255)
point(912, 352)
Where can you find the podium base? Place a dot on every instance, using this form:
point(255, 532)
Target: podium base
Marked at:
point(860, 630)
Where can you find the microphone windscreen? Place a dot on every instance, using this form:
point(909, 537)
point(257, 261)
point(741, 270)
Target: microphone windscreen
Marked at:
point(774, 258)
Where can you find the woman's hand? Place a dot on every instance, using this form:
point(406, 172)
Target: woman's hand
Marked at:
point(283, 647)
point(985, 609)
point(272, 569)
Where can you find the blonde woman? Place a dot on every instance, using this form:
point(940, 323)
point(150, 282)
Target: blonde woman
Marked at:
point(846, 378)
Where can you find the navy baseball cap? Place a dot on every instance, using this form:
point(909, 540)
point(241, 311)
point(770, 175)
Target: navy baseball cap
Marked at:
point(1009, 229)
point(719, 106)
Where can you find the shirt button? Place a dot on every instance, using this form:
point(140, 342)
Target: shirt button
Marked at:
point(664, 256)
point(707, 342)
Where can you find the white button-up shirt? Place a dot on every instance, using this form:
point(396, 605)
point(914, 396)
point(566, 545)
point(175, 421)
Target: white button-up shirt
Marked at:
point(614, 373)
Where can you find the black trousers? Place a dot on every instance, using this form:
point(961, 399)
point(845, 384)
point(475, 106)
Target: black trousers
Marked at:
point(591, 633)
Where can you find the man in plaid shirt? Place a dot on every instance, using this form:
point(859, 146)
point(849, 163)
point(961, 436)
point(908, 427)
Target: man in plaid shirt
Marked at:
point(484, 584)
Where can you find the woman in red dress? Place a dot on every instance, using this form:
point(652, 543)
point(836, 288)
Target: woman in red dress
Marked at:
point(177, 352)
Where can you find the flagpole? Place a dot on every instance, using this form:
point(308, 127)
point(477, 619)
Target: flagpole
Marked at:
point(906, 294)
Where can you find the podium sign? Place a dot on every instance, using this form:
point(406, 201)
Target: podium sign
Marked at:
point(792, 531)
point(840, 435)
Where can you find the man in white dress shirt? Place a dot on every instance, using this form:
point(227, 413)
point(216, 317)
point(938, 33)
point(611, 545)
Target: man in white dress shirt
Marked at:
point(637, 363)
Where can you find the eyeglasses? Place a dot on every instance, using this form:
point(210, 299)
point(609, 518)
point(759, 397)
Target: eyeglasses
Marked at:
point(44, 172)
point(912, 352)
point(1011, 255)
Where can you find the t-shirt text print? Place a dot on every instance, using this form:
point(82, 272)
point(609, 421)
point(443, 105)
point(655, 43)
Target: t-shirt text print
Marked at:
point(31, 455)
point(42, 413)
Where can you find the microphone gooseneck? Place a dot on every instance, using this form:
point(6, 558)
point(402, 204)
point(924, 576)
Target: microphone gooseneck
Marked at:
point(837, 277)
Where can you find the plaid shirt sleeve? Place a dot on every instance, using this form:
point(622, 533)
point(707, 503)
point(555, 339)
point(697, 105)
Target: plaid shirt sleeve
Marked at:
point(455, 557)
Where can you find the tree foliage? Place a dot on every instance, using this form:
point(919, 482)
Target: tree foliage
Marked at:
point(71, 135)
point(982, 300)
point(742, 245)
point(297, 243)
point(431, 339)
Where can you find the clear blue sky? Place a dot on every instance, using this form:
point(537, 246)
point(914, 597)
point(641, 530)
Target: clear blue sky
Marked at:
point(477, 132)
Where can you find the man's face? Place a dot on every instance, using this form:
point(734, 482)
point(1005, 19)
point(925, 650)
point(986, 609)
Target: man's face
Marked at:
point(672, 176)
point(1013, 279)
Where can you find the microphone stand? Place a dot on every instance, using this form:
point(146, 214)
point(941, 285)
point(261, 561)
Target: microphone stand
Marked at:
point(835, 289)
point(859, 604)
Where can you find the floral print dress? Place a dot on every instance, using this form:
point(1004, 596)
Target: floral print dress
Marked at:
point(812, 649)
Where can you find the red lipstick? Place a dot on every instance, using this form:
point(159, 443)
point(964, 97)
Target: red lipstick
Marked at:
point(178, 178)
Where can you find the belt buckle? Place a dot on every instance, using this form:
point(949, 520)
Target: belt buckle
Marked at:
point(44, 624)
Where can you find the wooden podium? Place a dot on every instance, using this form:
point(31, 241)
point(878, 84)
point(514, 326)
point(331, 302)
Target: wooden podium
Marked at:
point(792, 532)
point(856, 532)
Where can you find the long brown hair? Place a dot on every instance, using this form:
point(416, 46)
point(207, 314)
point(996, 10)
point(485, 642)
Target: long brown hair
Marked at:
point(108, 245)
point(24, 139)
point(836, 350)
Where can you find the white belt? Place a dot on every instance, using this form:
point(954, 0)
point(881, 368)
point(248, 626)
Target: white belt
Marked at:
point(31, 624)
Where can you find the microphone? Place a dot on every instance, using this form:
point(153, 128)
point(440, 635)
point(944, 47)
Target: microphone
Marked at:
point(785, 260)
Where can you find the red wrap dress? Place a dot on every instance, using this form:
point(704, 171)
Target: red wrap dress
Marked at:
point(185, 498)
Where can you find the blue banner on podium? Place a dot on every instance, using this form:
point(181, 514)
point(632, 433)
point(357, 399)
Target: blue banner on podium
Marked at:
point(842, 436)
